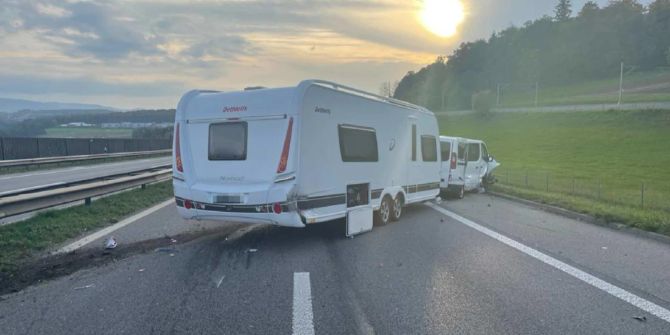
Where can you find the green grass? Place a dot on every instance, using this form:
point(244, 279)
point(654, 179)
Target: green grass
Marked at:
point(23, 240)
point(638, 87)
point(607, 156)
point(88, 132)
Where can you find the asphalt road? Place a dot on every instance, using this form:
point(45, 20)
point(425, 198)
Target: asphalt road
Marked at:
point(53, 177)
point(427, 274)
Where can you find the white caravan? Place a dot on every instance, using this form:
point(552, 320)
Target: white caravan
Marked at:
point(452, 173)
point(301, 155)
point(479, 166)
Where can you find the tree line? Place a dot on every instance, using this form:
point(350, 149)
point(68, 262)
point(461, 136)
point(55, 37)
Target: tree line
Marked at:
point(553, 50)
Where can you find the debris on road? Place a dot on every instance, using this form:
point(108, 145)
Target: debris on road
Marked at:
point(640, 318)
point(84, 287)
point(252, 250)
point(604, 248)
point(110, 243)
point(141, 270)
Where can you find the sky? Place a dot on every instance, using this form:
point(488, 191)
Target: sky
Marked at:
point(147, 53)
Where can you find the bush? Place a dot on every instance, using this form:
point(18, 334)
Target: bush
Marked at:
point(482, 102)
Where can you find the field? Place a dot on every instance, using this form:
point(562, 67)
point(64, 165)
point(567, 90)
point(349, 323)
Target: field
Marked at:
point(88, 132)
point(619, 157)
point(638, 87)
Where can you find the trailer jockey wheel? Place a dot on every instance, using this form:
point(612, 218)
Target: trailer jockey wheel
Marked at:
point(397, 207)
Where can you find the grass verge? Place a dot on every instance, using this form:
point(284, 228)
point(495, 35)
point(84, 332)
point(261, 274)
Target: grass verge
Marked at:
point(20, 169)
point(21, 241)
point(657, 221)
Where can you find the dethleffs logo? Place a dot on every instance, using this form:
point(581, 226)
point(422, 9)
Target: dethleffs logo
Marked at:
point(234, 109)
point(322, 110)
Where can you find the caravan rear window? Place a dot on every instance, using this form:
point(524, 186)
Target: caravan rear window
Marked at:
point(446, 151)
point(228, 141)
point(358, 144)
point(429, 148)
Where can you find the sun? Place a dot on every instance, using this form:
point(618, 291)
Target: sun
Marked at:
point(442, 17)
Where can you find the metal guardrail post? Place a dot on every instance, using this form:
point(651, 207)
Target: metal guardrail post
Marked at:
point(2, 148)
point(547, 182)
point(642, 196)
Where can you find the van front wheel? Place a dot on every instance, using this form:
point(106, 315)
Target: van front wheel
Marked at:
point(383, 215)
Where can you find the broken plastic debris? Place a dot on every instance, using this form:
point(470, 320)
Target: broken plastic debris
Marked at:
point(253, 250)
point(173, 241)
point(438, 200)
point(141, 270)
point(604, 248)
point(110, 243)
point(640, 318)
point(84, 287)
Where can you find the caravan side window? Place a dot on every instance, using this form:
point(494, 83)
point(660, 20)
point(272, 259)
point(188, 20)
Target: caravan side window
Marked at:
point(446, 151)
point(228, 141)
point(358, 144)
point(429, 148)
point(473, 152)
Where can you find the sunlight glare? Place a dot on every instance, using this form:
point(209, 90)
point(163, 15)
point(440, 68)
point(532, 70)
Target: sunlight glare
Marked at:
point(442, 17)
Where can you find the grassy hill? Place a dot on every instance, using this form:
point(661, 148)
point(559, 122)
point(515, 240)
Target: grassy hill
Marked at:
point(638, 87)
point(600, 156)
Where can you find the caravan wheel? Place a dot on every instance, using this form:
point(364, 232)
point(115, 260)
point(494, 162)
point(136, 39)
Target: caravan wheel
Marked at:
point(397, 207)
point(383, 215)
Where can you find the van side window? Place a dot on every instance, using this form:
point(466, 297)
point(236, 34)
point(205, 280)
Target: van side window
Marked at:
point(446, 151)
point(429, 148)
point(461, 151)
point(358, 144)
point(473, 152)
point(228, 141)
point(413, 143)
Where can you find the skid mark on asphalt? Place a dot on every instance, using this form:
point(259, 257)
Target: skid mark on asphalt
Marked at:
point(596, 282)
point(303, 318)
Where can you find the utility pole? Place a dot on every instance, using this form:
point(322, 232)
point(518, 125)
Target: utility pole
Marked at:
point(537, 91)
point(620, 85)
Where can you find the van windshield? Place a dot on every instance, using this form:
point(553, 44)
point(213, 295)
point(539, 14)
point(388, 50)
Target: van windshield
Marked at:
point(228, 141)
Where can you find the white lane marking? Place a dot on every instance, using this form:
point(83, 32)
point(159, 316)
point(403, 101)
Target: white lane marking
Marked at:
point(303, 323)
point(596, 282)
point(101, 233)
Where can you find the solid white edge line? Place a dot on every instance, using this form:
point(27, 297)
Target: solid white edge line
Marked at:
point(596, 282)
point(303, 319)
point(90, 238)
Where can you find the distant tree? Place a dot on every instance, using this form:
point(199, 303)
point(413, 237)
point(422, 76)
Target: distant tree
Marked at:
point(563, 10)
point(589, 10)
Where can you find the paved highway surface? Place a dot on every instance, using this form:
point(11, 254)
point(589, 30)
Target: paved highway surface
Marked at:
point(28, 180)
point(473, 271)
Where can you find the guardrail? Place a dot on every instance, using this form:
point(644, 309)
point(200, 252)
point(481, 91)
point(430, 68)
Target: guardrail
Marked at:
point(63, 159)
point(39, 199)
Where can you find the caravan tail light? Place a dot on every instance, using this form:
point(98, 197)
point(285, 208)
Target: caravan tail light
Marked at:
point(453, 160)
point(276, 208)
point(283, 161)
point(177, 151)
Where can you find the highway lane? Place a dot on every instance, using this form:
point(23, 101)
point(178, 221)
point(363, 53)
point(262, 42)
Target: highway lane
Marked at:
point(427, 274)
point(21, 181)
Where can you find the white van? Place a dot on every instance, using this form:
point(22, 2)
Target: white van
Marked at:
point(479, 166)
point(301, 155)
point(452, 173)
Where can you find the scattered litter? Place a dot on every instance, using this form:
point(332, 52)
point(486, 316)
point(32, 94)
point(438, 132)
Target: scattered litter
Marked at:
point(218, 283)
point(171, 255)
point(84, 287)
point(141, 270)
point(640, 318)
point(604, 248)
point(173, 241)
point(110, 243)
point(253, 250)
point(438, 200)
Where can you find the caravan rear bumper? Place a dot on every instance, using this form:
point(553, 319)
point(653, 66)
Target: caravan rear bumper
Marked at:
point(260, 213)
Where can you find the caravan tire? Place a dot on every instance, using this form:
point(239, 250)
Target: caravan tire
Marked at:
point(396, 211)
point(383, 215)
